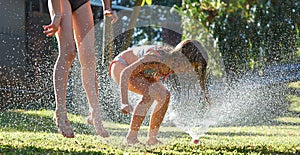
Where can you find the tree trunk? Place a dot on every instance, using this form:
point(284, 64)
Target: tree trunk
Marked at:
point(132, 23)
point(123, 41)
point(107, 42)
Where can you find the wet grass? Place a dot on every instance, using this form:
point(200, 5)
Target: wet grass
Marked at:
point(30, 132)
point(33, 132)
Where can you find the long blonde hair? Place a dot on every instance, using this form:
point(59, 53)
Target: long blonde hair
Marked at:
point(197, 55)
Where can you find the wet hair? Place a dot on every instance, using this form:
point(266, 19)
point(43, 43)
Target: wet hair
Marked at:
point(196, 54)
point(194, 51)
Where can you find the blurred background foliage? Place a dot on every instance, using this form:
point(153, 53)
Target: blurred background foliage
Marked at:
point(249, 34)
point(246, 35)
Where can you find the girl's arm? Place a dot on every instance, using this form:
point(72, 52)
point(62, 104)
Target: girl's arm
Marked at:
point(56, 7)
point(124, 79)
point(107, 11)
point(52, 28)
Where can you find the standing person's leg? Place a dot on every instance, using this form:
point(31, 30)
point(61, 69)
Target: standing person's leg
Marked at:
point(67, 53)
point(84, 33)
point(162, 96)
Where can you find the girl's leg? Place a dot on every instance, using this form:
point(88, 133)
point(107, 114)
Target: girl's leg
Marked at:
point(84, 33)
point(67, 53)
point(137, 119)
point(139, 85)
point(162, 96)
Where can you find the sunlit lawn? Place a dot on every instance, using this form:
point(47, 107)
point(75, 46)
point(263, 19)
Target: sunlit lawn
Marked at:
point(31, 132)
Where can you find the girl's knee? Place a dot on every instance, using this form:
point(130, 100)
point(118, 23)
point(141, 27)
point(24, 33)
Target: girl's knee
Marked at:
point(68, 55)
point(71, 54)
point(147, 99)
point(163, 101)
point(159, 93)
point(166, 97)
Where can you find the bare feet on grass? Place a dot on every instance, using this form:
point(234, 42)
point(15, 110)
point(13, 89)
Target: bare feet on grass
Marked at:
point(132, 138)
point(153, 141)
point(100, 130)
point(133, 141)
point(64, 126)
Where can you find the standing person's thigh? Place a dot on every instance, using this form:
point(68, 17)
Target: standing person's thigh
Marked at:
point(84, 28)
point(65, 33)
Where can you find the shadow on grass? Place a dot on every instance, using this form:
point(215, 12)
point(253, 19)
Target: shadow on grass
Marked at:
point(28, 122)
point(35, 150)
point(16, 120)
point(174, 149)
point(244, 134)
point(258, 149)
point(287, 112)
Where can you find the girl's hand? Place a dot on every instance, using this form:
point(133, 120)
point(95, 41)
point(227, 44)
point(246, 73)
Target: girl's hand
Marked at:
point(126, 108)
point(52, 28)
point(112, 14)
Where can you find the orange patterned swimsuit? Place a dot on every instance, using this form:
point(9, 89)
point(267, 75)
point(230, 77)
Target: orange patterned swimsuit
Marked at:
point(151, 73)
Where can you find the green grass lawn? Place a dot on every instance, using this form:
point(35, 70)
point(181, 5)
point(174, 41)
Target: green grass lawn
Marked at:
point(32, 132)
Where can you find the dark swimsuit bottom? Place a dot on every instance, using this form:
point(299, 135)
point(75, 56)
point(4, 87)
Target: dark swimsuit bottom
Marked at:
point(75, 4)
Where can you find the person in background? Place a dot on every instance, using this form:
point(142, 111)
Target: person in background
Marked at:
point(73, 25)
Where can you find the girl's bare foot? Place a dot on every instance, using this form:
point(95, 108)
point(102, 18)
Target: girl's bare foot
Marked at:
point(100, 130)
point(131, 138)
point(89, 120)
point(153, 141)
point(133, 141)
point(64, 126)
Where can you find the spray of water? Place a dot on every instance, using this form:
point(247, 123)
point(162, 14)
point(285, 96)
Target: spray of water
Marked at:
point(247, 101)
point(187, 109)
